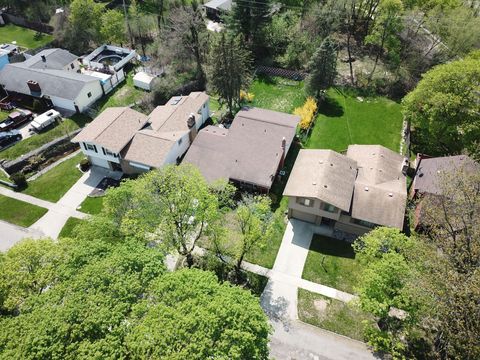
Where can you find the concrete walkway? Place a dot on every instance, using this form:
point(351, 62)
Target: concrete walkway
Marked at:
point(53, 221)
point(11, 234)
point(283, 284)
point(58, 213)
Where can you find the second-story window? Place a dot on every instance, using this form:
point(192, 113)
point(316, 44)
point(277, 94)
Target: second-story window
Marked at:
point(304, 201)
point(91, 147)
point(329, 207)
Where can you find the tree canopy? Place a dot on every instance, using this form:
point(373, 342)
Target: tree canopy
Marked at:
point(444, 108)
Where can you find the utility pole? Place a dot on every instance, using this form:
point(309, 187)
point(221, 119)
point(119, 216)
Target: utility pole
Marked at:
point(128, 24)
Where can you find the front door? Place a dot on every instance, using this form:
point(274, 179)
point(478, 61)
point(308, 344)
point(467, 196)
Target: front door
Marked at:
point(115, 166)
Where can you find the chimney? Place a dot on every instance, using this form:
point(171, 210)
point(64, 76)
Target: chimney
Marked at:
point(191, 125)
point(191, 120)
point(34, 86)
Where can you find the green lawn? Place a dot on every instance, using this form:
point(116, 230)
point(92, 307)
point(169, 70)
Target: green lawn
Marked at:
point(330, 314)
point(344, 120)
point(4, 114)
point(92, 205)
point(66, 126)
point(332, 262)
point(19, 212)
point(277, 94)
point(55, 183)
point(69, 226)
point(23, 36)
point(125, 94)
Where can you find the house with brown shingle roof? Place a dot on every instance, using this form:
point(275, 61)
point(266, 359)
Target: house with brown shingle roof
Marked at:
point(250, 153)
point(126, 140)
point(429, 174)
point(351, 193)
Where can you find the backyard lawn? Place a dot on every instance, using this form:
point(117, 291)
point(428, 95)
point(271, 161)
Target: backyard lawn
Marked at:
point(18, 212)
point(66, 126)
point(277, 94)
point(330, 314)
point(125, 94)
point(23, 36)
point(343, 120)
point(331, 262)
point(52, 185)
point(69, 226)
point(92, 205)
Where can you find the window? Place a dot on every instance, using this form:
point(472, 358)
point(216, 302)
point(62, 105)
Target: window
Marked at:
point(109, 153)
point(304, 201)
point(89, 94)
point(72, 66)
point(364, 223)
point(180, 141)
point(328, 207)
point(91, 147)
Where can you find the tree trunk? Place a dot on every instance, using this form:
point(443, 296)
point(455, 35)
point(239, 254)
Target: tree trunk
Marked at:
point(189, 258)
point(349, 35)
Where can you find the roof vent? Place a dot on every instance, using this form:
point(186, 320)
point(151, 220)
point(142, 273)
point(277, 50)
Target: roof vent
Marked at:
point(320, 162)
point(366, 188)
point(314, 183)
point(331, 164)
point(325, 186)
point(390, 194)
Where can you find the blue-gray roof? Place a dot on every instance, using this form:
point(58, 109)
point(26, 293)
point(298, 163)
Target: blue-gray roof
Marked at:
point(48, 74)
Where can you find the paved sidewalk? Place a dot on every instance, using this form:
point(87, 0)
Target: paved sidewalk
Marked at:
point(283, 284)
point(11, 234)
point(53, 221)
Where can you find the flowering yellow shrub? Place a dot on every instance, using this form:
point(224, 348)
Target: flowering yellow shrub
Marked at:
point(246, 96)
point(306, 113)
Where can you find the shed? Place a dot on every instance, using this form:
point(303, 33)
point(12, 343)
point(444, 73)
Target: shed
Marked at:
point(143, 80)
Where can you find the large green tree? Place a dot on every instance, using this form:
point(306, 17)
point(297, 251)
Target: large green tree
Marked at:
point(172, 205)
point(190, 315)
point(322, 68)
point(228, 69)
point(83, 27)
point(249, 18)
point(113, 27)
point(444, 109)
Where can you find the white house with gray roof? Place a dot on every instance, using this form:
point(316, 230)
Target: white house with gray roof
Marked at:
point(53, 75)
point(352, 193)
point(126, 140)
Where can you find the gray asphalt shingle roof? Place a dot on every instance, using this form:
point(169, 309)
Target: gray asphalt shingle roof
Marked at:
point(52, 79)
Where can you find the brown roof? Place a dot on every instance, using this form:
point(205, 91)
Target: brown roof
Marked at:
point(379, 186)
point(113, 128)
point(144, 144)
point(325, 175)
point(172, 116)
point(430, 170)
point(250, 151)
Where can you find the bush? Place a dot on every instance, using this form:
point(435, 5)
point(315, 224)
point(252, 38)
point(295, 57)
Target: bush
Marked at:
point(246, 96)
point(19, 180)
point(84, 164)
point(307, 113)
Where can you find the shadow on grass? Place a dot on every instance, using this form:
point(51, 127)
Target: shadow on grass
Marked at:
point(276, 192)
point(331, 107)
point(333, 247)
point(266, 79)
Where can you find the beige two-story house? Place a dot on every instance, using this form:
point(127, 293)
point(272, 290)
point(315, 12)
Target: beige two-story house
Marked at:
point(352, 193)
